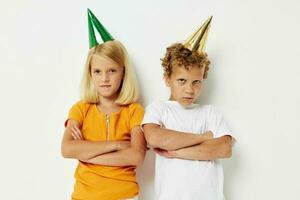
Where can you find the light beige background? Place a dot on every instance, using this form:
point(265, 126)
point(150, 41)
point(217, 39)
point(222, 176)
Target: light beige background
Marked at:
point(254, 80)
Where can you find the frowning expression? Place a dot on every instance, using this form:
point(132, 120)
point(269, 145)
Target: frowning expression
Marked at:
point(106, 76)
point(185, 84)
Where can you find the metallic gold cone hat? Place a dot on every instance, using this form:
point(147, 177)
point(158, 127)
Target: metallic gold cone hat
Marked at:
point(197, 41)
point(94, 22)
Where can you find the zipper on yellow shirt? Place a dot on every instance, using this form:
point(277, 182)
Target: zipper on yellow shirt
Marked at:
point(107, 126)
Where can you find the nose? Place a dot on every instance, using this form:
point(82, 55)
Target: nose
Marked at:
point(105, 77)
point(189, 89)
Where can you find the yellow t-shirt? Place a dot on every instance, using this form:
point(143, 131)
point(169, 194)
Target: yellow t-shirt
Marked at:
point(95, 182)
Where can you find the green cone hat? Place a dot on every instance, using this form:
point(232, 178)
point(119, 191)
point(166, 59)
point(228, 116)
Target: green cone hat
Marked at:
point(93, 22)
point(197, 41)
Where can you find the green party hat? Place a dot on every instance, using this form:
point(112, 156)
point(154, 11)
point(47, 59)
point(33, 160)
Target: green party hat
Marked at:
point(94, 22)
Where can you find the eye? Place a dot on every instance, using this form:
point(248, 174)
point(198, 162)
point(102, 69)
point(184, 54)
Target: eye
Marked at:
point(97, 71)
point(112, 70)
point(197, 82)
point(181, 81)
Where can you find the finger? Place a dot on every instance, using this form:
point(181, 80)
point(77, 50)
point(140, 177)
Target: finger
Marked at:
point(159, 149)
point(165, 154)
point(162, 154)
point(156, 150)
point(77, 132)
point(74, 136)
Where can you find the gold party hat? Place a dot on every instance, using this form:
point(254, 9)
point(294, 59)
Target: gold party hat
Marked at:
point(197, 41)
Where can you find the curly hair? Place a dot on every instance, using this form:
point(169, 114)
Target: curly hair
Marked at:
point(178, 55)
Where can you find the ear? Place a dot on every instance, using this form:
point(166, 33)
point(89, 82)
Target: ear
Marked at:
point(167, 81)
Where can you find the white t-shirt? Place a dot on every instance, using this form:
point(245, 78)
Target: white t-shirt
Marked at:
point(179, 179)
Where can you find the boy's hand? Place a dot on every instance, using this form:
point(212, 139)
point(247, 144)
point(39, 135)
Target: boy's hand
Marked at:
point(165, 153)
point(76, 133)
point(208, 135)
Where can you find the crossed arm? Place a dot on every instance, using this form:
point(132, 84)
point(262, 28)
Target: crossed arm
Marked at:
point(111, 153)
point(174, 144)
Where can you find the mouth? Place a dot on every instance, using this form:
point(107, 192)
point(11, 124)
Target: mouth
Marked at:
point(105, 86)
point(188, 98)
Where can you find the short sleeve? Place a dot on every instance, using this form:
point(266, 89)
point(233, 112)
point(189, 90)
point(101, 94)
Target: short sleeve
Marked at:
point(77, 112)
point(217, 124)
point(153, 114)
point(136, 112)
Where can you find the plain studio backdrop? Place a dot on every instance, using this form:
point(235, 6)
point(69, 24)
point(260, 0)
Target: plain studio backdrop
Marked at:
point(253, 81)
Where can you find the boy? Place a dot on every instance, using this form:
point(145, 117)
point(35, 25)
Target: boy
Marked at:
point(188, 138)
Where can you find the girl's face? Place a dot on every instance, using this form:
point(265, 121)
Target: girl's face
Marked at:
point(107, 77)
point(186, 85)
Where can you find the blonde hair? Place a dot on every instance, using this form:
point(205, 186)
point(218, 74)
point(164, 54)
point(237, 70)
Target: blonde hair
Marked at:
point(128, 91)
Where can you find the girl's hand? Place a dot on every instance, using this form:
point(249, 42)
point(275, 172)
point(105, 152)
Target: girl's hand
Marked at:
point(76, 133)
point(123, 144)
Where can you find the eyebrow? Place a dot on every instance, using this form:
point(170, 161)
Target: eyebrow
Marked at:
point(109, 67)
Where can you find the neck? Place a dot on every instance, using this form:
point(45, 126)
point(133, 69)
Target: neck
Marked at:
point(107, 102)
point(108, 105)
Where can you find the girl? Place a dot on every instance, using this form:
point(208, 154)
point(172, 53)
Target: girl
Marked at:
point(102, 130)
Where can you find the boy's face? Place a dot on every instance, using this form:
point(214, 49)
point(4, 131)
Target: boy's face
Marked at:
point(186, 85)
